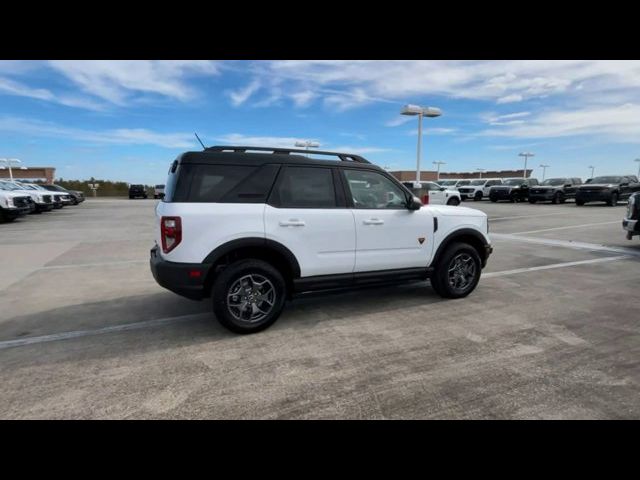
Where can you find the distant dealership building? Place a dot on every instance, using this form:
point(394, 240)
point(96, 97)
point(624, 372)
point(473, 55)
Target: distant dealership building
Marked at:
point(430, 176)
point(43, 174)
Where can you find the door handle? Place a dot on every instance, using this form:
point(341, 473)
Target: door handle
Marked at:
point(292, 223)
point(373, 221)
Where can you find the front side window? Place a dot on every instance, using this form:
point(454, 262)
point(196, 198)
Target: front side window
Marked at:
point(305, 187)
point(374, 190)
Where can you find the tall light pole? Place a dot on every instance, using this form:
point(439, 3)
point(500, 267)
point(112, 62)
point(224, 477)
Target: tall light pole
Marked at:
point(439, 163)
point(592, 169)
point(307, 143)
point(544, 169)
point(8, 162)
point(430, 112)
point(638, 160)
point(480, 170)
point(526, 156)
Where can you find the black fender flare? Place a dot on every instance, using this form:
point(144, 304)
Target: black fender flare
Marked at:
point(259, 242)
point(463, 232)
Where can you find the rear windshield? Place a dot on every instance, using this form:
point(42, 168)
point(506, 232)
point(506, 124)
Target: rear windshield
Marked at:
point(220, 183)
point(555, 181)
point(606, 180)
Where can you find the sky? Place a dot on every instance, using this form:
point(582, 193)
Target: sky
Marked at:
point(127, 120)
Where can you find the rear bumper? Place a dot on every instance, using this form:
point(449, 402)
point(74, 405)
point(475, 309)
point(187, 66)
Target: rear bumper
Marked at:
point(185, 279)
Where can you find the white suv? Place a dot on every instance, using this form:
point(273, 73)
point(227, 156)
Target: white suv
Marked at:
point(479, 188)
point(251, 227)
point(431, 193)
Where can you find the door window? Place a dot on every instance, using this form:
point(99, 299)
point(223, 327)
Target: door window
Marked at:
point(374, 190)
point(304, 187)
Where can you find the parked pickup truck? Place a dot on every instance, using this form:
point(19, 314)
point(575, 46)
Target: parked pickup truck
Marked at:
point(631, 222)
point(608, 189)
point(555, 190)
point(512, 190)
point(13, 205)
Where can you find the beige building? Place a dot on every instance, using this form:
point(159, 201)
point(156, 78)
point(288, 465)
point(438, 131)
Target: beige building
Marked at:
point(30, 173)
point(430, 176)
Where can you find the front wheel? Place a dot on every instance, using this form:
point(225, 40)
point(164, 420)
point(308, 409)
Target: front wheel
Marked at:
point(477, 197)
point(453, 201)
point(614, 200)
point(457, 272)
point(248, 296)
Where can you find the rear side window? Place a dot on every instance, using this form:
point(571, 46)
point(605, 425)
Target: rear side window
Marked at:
point(220, 183)
point(304, 187)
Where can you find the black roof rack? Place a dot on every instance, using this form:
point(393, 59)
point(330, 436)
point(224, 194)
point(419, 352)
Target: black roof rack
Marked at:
point(345, 157)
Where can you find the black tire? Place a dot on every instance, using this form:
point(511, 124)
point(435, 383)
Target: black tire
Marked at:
point(512, 199)
point(563, 199)
point(532, 200)
point(440, 280)
point(579, 203)
point(477, 197)
point(493, 199)
point(453, 201)
point(230, 277)
point(556, 198)
point(130, 197)
point(614, 200)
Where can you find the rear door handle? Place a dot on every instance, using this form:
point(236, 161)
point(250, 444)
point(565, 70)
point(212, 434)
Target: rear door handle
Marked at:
point(292, 223)
point(373, 221)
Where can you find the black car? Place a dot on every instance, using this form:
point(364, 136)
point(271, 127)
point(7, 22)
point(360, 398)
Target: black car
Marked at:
point(631, 222)
point(512, 189)
point(136, 191)
point(75, 196)
point(555, 190)
point(608, 189)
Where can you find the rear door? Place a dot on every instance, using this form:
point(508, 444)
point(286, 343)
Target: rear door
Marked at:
point(307, 214)
point(388, 235)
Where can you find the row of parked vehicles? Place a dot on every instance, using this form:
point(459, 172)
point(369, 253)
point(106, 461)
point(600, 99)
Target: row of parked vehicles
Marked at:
point(18, 198)
point(609, 189)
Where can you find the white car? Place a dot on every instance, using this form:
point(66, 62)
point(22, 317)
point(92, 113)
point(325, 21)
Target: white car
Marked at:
point(454, 184)
point(431, 193)
point(43, 201)
point(479, 188)
point(251, 227)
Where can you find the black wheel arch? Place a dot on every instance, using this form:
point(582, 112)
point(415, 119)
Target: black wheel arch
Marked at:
point(265, 249)
point(464, 235)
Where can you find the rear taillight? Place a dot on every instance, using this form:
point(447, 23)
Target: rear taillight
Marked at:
point(171, 233)
point(425, 199)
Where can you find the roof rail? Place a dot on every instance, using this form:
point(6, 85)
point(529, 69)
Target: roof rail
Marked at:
point(345, 157)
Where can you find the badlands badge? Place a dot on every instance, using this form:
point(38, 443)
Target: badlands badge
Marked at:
point(421, 240)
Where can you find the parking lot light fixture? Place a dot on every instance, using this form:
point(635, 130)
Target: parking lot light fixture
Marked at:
point(413, 110)
point(592, 169)
point(438, 172)
point(526, 156)
point(544, 169)
point(306, 144)
point(8, 162)
point(480, 170)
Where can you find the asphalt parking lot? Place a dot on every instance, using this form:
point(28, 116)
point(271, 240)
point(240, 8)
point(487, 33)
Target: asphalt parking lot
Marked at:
point(551, 332)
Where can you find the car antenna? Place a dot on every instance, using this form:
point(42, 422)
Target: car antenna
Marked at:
point(203, 147)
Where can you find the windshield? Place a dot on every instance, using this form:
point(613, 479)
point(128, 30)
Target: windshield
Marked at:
point(606, 180)
point(478, 182)
point(8, 186)
point(463, 182)
point(555, 181)
point(445, 183)
point(514, 181)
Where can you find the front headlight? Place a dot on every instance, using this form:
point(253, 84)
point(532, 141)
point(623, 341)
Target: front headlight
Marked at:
point(9, 202)
point(630, 205)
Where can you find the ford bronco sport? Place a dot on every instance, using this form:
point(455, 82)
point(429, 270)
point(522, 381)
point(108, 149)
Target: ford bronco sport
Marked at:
point(251, 227)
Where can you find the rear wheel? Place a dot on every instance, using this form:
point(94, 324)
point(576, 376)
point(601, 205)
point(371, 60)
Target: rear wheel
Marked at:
point(579, 203)
point(493, 199)
point(248, 296)
point(532, 200)
point(614, 200)
point(556, 198)
point(453, 201)
point(457, 272)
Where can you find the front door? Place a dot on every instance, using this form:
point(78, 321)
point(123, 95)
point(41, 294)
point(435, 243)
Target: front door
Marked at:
point(388, 235)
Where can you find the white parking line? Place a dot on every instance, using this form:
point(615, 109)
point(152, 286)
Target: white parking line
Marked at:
point(553, 265)
point(567, 227)
point(102, 264)
point(19, 342)
point(527, 216)
point(567, 244)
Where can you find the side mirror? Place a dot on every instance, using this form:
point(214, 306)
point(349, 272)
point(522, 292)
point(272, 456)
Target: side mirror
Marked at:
point(442, 189)
point(625, 184)
point(414, 204)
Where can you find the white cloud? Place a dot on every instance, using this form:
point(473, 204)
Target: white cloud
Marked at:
point(238, 97)
point(116, 81)
point(399, 120)
point(258, 141)
point(514, 97)
point(619, 123)
point(121, 136)
point(303, 98)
